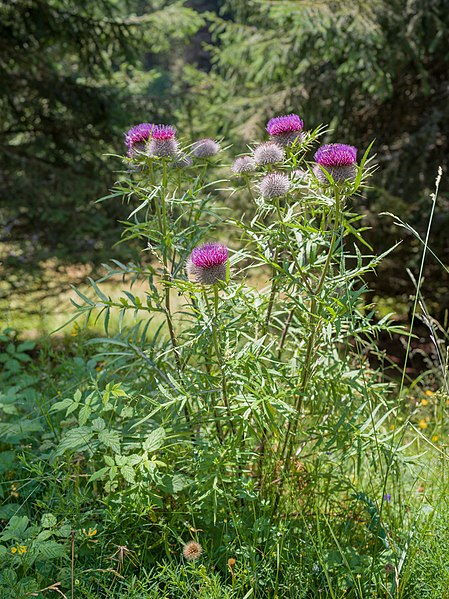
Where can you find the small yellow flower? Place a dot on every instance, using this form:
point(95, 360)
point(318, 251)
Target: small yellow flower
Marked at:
point(435, 438)
point(428, 392)
point(424, 402)
point(90, 533)
point(22, 549)
point(75, 330)
point(13, 549)
point(392, 427)
point(422, 424)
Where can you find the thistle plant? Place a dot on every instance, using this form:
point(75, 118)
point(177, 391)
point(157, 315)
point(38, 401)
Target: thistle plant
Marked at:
point(255, 383)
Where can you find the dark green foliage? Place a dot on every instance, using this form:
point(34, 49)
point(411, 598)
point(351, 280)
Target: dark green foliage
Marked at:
point(68, 92)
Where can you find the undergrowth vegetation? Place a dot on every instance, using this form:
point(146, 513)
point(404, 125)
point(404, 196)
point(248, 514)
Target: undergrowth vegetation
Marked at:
point(245, 420)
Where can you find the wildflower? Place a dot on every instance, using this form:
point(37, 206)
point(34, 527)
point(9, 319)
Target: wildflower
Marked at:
point(268, 153)
point(424, 402)
point(90, 533)
point(22, 549)
point(285, 130)
point(339, 160)
point(422, 424)
point(205, 148)
point(207, 264)
point(13, 550)
point(243, 164)
point(274, 185)
point(163, 141)
point(192, 550)
point(387, 497)
point(435, 438)
point(429, 393)
point(137, 137)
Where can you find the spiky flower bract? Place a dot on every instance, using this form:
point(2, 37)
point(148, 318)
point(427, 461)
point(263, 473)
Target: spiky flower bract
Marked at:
point(243, 164)
point(285, 130)
point(207, 264)
point(205, 148)
point(137, 137)
point(339, 160)
point(274, 185)
point(192, 550)
point(163, 141)
point(182, 160)
point(268, 153)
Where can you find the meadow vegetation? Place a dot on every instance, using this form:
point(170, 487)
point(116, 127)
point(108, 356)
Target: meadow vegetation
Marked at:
point(236, 441)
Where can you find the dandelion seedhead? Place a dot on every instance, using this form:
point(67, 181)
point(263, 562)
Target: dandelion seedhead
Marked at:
point(163, 141)
point(268, 153)
point(205, 148)
point(284, 130)
point(274, 185)
point(243, 164)
point(137, 137)
point(339, 160)
point(207, 264)
point(192, 551)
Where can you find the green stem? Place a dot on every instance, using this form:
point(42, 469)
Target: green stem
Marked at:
point(287, 448)
point(214, 329)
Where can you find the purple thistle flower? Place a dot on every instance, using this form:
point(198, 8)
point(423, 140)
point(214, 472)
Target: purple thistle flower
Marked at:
point(243, 164)
point(163, 132)
point(137, 137)
point(285, 130)
point(205, 148)
point(207, 264)
point(163, 141)
point(339, 160)
point(274, 185)
point(285, 124)
point(268, 153)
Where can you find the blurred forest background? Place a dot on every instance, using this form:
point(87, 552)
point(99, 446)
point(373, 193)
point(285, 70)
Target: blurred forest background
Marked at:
point(75, 75)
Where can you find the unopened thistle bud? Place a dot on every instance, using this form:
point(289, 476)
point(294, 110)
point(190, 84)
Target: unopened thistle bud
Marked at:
point(243, 164)
point(192, 551)
point(274, 185)
point(207, 264)
point(205, 148)
point(163, 141)
point(285, 130)
point(339, 160)
point(268, 153)
point(137, 137)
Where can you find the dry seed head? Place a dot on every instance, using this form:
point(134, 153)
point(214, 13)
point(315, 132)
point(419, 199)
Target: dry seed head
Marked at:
point(192, 551)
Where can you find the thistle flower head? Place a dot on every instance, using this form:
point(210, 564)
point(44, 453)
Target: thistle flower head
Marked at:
point(137, 137)
point(163, 132)
point(205, 148)
point(192, 550)
point(207, 264)
point(336, 155)
point(243, 164)
point(339, 160)
point(274, 185)
point(163, 141)
point(290, 123)
point(268, 153)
